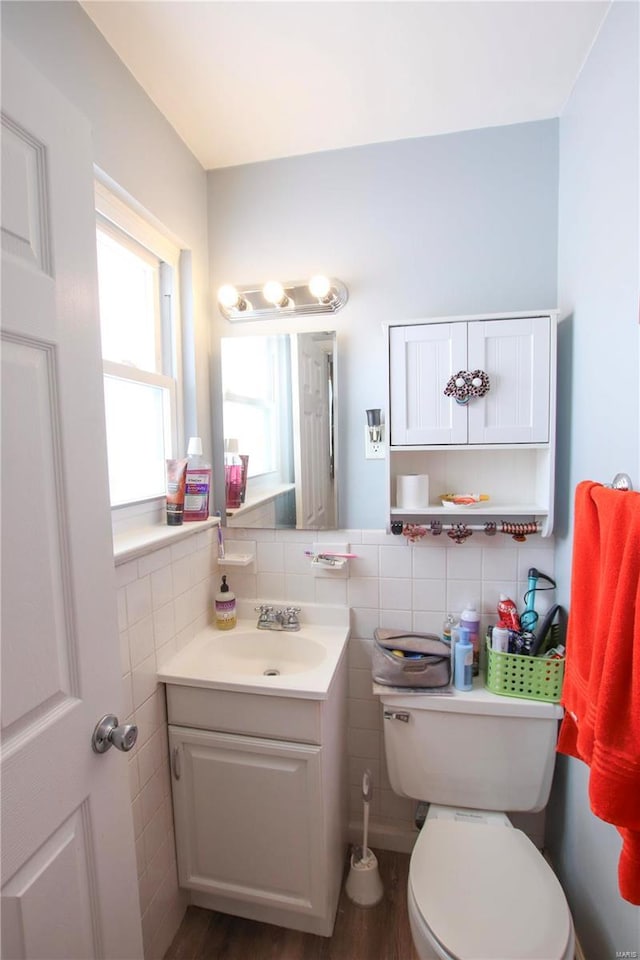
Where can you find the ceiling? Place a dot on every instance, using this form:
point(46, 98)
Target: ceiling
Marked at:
point(248, 81)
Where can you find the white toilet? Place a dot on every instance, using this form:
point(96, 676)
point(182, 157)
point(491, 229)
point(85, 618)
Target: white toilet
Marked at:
point(478, 888)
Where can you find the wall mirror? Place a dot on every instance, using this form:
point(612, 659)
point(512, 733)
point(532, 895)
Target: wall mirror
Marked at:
point(279, 420)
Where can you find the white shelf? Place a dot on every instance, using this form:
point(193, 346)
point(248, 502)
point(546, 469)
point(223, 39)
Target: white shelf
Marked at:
point(481, 510)
point(236, 560)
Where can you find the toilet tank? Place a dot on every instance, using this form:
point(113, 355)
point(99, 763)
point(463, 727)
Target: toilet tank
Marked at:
point(473, 749)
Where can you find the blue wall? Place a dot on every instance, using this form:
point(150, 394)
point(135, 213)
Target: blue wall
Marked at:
point(455, 224)
point(598, 423)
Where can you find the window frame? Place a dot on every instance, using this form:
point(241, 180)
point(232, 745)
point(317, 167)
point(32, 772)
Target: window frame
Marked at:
point(141, 234)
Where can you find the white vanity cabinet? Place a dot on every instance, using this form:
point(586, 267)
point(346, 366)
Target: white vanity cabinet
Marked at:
point(502, 443)
point(247, 818)
point(259, 796)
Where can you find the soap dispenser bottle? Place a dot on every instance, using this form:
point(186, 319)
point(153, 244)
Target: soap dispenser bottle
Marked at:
point(225, 607)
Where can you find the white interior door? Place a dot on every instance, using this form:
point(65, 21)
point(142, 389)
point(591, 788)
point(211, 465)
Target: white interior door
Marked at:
point(69, 889)
point(312, 455)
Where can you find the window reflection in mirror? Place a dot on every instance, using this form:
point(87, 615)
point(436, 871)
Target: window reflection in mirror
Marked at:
point(279, 408)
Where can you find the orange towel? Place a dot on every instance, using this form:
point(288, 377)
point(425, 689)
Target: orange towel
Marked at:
point(601, 693)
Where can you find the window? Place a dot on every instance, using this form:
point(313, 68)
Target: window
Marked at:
point(256, 392)
point(137, 277)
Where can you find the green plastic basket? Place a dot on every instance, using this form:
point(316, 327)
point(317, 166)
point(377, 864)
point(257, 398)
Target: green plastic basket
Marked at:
point(515, 675)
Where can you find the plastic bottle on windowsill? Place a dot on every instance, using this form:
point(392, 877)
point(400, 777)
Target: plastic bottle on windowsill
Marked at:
point(233, 475)
point(198, 483)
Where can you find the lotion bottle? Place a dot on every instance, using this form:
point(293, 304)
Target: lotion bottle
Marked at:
point(225, 607)
point(463, 669)
point(500, 637)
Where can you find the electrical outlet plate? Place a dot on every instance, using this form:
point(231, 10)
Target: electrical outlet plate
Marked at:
point(373, 451)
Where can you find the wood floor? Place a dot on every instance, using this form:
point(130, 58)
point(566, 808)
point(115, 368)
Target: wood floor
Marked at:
point(360, 933)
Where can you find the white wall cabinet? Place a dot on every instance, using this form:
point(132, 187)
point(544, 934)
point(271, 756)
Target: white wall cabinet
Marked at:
point(260, 821)
point(502, 443)
point(513, 352)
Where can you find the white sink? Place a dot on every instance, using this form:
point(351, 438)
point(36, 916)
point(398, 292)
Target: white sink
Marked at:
point(298, 664)
point(262, 653)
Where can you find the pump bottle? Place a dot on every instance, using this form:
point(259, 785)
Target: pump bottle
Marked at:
point(225, 607)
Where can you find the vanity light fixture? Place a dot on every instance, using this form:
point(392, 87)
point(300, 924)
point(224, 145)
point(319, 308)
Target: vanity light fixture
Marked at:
point(231, 299)
point(274, 299)
point(274, 293)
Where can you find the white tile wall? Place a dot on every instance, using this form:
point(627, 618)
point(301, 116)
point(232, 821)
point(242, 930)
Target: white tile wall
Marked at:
point(392, 583)
point(166, 597)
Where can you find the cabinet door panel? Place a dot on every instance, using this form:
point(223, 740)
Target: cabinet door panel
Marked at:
point(422, 359)
point(515, 355)
point(248, 821)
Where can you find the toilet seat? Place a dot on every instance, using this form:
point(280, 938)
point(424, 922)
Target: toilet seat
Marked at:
point(485, 892)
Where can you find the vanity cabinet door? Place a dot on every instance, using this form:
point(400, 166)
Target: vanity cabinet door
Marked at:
point(249, 819)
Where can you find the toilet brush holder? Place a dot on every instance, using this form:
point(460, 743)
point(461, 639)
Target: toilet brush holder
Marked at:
point(364, 885)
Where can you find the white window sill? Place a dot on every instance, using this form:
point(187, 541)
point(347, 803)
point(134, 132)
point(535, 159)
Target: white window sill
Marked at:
point(131, 544)
point(260, 498)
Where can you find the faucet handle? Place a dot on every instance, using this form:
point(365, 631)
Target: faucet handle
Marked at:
point(290, 615)
point(263, 608)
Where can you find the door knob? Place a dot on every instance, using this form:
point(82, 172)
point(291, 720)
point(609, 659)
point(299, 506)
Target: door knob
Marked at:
point(109, 733)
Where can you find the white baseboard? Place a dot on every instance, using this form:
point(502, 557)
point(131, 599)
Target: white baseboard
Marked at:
point(383, 836)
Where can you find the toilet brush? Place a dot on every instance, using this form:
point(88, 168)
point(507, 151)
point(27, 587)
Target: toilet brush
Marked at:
point(364, 885)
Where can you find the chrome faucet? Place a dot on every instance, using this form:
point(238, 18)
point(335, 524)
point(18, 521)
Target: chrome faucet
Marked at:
point(278, 618)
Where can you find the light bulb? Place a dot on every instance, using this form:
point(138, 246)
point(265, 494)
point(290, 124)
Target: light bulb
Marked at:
point(274, 293)
point(228, 296)
point(320, 287)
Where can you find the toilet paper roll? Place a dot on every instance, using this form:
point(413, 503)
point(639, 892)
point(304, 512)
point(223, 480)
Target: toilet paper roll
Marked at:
point(412, 491)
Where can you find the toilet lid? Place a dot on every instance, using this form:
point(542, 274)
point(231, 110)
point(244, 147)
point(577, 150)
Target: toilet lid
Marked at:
point(486, 893)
